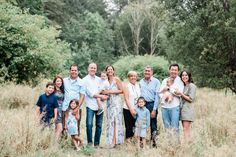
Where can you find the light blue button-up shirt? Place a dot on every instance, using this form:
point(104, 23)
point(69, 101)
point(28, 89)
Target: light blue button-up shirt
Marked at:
point(73, 89)
point(142, 117)
point(149, 90)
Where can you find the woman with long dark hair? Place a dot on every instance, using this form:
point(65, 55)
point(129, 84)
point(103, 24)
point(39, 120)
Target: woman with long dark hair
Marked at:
point(188, 97)
point(59, 93)
point(115, 130)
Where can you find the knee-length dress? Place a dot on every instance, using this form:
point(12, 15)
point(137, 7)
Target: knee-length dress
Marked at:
point(114, 117)
point(187, 111)
point(72, 126)
point(60, 98)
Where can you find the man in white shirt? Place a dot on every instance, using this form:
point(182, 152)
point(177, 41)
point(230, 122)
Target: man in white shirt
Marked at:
point(171, 110)
point(92, 86)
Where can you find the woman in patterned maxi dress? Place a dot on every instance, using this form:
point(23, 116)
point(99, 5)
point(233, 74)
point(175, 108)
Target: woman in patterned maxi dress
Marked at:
point(115, 129)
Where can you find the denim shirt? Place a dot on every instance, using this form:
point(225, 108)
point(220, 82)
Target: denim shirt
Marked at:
point(149, 90)
point(142, 118)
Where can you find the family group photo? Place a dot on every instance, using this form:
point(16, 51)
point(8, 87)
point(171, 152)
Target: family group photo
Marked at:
point(61, 104)
point(117, 78)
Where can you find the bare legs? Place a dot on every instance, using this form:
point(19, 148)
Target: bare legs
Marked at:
point(186, 127)
point(59, 130)
point(76, 140)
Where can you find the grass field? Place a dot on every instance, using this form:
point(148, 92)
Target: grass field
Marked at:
point(214, 131)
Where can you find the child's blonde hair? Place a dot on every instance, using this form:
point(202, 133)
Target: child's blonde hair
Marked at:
point(171, 80)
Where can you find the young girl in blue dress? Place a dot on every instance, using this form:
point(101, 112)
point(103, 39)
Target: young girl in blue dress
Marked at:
point(142, 123)
point(71, 120)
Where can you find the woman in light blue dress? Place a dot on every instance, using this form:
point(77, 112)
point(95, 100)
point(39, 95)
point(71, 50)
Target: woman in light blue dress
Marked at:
point(115, 129)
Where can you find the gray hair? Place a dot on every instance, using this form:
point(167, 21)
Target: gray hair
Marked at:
point(148, 67)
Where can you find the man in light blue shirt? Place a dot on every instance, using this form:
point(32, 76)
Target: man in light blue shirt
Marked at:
point(74, 89)
point(92, 87)
point(149, 90)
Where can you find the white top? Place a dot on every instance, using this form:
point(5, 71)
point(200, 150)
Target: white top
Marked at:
point(92, 86)
point(103, 85)
point(176, 100)
point(172, 89)
point(134, 94)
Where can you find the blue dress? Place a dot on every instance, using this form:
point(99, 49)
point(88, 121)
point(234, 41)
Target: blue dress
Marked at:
point(72, 126)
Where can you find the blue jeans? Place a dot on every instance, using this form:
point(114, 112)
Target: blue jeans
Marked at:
point(170, 117)
point(89, 125)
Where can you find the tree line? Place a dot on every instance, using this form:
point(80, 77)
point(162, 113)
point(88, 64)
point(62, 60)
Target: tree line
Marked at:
point(41, 38)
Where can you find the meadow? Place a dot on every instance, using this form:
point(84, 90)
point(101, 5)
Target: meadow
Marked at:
point(214, 130)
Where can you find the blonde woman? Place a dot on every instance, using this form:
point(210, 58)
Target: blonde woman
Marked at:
point(131, 95)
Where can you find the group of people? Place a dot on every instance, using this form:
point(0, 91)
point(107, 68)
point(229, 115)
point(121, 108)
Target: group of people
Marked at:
point(135, 102)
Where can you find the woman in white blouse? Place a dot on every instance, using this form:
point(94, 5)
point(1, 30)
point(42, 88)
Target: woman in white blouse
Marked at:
point(131, 95)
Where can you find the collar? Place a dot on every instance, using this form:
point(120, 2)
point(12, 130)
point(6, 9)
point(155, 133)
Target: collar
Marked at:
point(148, 81)
point(73, 79)
point(92, 77)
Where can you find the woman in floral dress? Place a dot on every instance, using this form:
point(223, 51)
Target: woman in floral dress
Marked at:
point(115, 129)
point(59, 93)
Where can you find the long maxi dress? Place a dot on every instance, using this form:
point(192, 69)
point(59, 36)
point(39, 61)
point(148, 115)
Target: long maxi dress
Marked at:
point(114, 117)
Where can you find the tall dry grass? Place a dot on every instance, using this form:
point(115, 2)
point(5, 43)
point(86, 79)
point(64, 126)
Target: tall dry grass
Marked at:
point(214, 130)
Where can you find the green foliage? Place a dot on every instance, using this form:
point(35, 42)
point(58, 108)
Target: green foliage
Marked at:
point(60, 11)
point(34, 6)
point(92, 41)
point(202, 35)
point(82, 57)
point(137, 63)
point(88, 150)
point(29, 48)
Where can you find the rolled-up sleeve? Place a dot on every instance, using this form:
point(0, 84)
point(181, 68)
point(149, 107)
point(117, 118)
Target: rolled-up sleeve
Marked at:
point(82, 87)
point(148, 119)
point(192, 91)
point(157, 98)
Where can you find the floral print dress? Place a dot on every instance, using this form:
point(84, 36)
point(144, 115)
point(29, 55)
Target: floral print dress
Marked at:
point(60, 98)
point(114, 117)
point(72, 126)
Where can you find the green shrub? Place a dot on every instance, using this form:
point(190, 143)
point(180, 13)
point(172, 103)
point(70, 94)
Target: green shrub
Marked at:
point(137, 63)
point(29, 47)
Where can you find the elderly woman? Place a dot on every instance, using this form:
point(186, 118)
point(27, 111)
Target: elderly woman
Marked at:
point(188, 97)
point(131, 95)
